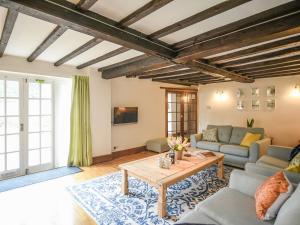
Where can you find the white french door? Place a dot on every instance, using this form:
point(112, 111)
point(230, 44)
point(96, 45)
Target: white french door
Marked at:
point(26, 126)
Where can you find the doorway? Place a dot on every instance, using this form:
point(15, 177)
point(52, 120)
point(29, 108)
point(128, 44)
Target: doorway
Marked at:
point(181, 112)
point(26, 126)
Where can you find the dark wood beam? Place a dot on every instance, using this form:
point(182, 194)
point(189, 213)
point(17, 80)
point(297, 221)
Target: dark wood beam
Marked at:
point(173, 73)
point(149, 63)
point(184, 83)
point(274, 72)
point(266, 63)
point(66, 14)
point(86, 4)
point(276, 69)
point(122, 63)
point(294, 73)
point(264, 16)
point(265, 68)
point(278, 28)
point(103, 57)
point(207, 80)
point(78, 51)
point(180, 77)
point(143, 11)
point(280, 53)
point(210, 12)
point(285, 43)
point(9, 24)
point(160, 70)
point(52, 37)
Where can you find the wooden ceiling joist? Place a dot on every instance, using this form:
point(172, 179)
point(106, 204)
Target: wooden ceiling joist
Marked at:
point(212, 11)
point(52, 37)
point(169, 74)
point(78, 51)
point(276, 69)
point(9, 24)
point(160, 70)
point(180, 82)
point(103, 57)
point(86, 4)
point(181, 77)
point(270, 67)
point(277, 28)
point(277, 75)
point(285, 43)
point(143, 11)
point(264, 16)
point(280, 53)
point(275, 72)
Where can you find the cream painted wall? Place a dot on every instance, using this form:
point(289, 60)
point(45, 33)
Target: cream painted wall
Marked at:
point(150, 100)
point(283, 124)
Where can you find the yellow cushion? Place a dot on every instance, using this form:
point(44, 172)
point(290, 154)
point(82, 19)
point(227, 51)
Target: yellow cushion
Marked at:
point(294, 165)
point(249, 139)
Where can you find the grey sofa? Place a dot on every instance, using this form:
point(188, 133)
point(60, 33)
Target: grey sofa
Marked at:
point(275, 160)
point(229, 144)
point(235, 205)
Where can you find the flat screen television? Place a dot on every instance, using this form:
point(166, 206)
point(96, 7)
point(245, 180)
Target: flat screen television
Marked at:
point(125, 115)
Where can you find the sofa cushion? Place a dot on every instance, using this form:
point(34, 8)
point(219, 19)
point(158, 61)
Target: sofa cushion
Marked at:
point(210, 135)
point(224, 132)
point(231, 207)
point(238, 134)
point(195, 217)
point(269, 160)
point(235, 150)
point(213, 146)
point(294, 165)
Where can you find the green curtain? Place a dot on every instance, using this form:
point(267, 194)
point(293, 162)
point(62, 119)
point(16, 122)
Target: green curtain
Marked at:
point(80, 134)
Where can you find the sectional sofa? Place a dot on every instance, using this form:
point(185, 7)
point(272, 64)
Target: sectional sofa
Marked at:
point(229, 139)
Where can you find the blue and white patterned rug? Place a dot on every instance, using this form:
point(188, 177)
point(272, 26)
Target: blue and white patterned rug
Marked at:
point(103, 200)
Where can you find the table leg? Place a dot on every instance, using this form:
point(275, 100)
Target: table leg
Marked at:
point(162, 203)
point(220, 171)
point(124, 182)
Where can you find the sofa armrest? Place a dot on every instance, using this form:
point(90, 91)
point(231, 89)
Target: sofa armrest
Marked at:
point(244, 182)
point(279, 152)
point(194, 138)
point(258, 149)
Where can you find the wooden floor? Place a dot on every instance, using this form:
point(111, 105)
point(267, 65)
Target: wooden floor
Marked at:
point(48, 203)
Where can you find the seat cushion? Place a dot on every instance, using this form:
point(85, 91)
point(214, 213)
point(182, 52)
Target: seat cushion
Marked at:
point(269, 160)
point(224, 132)
point(213, 146)
point(235, 150)
point(231, 207)
point(195, 217)
point(238, 134)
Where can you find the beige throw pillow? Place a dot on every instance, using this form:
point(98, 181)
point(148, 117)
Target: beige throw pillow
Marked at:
point(210, 135)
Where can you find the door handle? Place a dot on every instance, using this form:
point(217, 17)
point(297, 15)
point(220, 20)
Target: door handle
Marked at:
point(21, 127)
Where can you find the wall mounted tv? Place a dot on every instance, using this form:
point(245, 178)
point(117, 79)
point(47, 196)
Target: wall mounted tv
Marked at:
point(125, 115)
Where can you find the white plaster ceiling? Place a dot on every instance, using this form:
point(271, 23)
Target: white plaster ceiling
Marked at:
point(3, 12)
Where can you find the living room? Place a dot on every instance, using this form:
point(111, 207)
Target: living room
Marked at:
point(149, 112)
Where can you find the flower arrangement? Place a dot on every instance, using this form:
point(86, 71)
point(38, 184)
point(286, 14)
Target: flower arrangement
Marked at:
point(178, 144)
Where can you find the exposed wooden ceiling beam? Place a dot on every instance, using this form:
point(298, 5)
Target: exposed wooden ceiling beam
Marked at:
point(66, 14)
point(86, 4)
point(266, 63)
point(159, 70)
point(52, 37)
point(78, 51)
point(285, 43)
point(173, 73)
point(212, 11)
point(9, 24)
point(143, 11)
point(294, 73)
point(275, 72)
point(265, 68)
point(278, 28)
point(185, 83)
point(180, 77)
point(103, 57)
point(281, 69)
point(272, 13)
point(280, 53)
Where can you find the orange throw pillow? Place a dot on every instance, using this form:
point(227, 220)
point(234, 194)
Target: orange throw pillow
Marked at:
point(271, 195)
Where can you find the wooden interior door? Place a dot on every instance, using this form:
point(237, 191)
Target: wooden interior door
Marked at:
point(181, 113)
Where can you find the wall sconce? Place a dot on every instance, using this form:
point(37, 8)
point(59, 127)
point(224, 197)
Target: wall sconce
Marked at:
point(220, 95)
point(296, 90)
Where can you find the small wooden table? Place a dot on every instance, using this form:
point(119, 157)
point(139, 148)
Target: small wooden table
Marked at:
point(147, 169)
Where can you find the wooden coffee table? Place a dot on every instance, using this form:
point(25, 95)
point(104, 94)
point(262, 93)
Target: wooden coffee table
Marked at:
point(147, 169)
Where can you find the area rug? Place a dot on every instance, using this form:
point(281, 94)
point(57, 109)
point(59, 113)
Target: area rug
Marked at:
point(34, 178)
point(103, 200)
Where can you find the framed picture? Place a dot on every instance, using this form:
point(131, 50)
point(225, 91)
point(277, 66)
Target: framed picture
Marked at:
point(271, 91)
point(240, 105)
point(255, 104)
point(240, 93)
point(270, 104)
point(255, 92)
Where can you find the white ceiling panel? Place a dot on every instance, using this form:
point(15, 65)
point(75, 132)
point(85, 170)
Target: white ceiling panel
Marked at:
point(117, 9)
point(68, 42)
point(3, 12)
point(118, 58)
point(27, 35)
point(235, 14)
point(171, 13)
point(98, 50)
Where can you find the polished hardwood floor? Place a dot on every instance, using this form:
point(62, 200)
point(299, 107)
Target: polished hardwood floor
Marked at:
point(48, 203)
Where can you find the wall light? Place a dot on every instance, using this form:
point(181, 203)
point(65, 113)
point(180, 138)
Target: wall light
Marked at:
point(220, 95)
point(296, 90)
